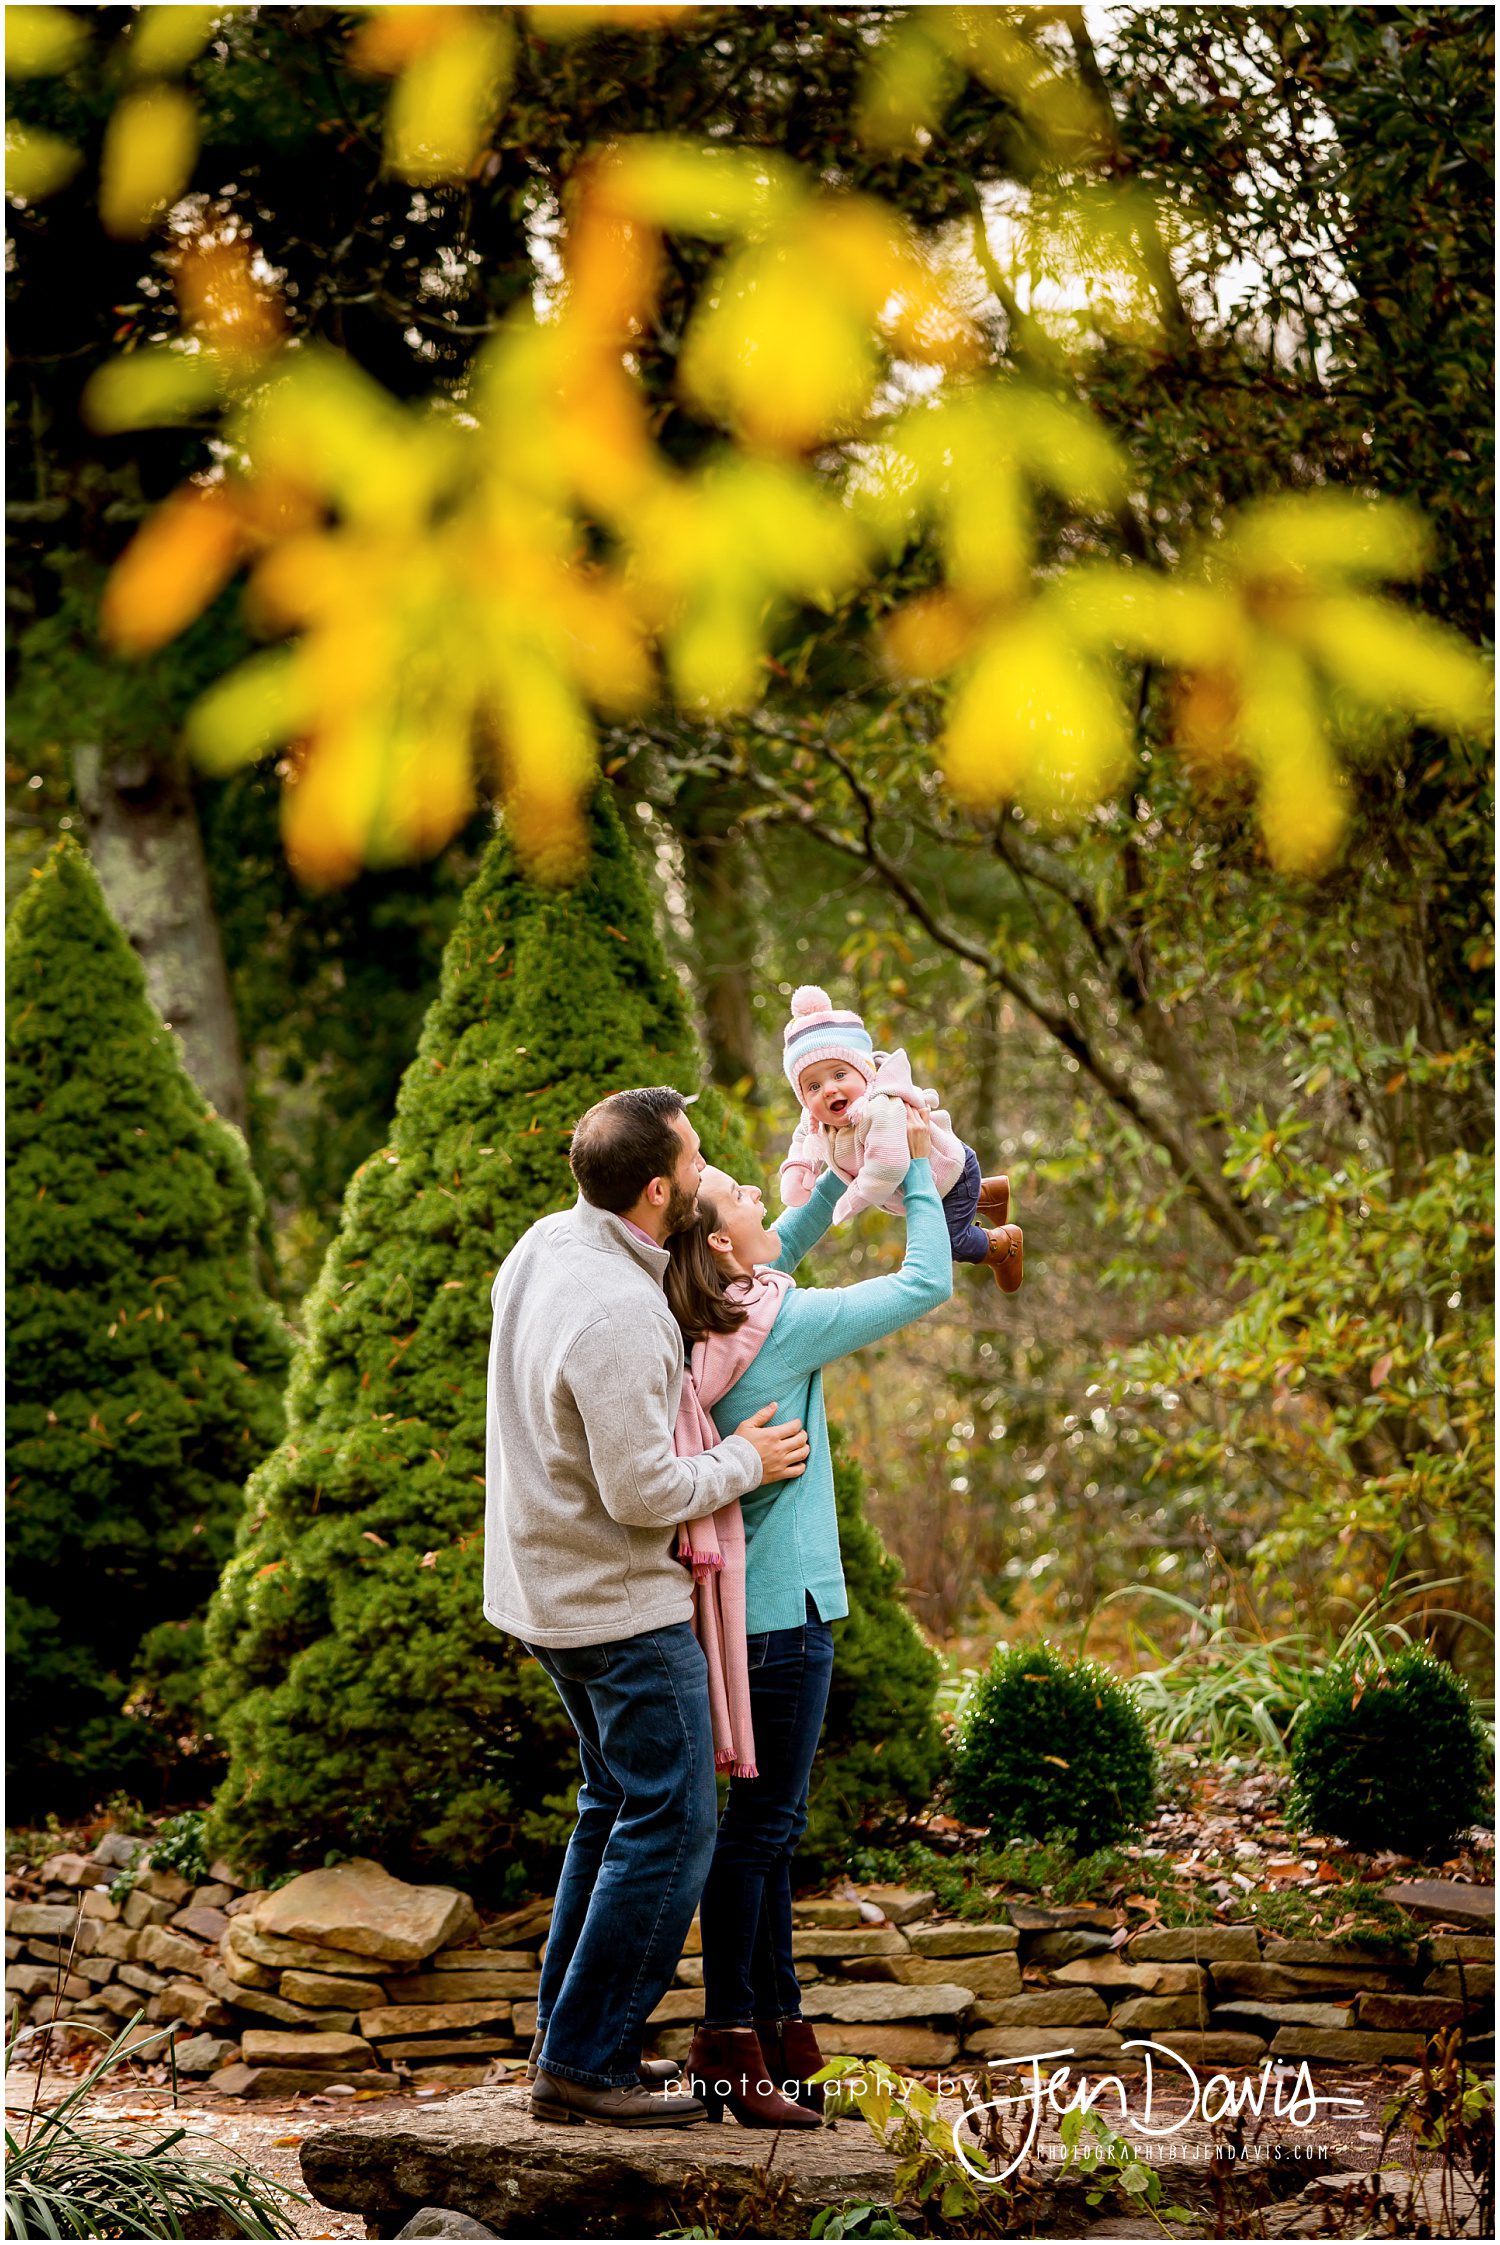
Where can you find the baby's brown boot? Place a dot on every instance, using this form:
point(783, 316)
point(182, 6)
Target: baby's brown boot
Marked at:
point(1006, 1257)
point(994, 1200)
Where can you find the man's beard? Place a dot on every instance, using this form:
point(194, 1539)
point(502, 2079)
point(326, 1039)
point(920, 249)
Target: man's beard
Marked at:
point(682, 1208)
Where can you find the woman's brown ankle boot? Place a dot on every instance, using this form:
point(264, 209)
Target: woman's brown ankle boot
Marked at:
point(792, 2053)
point(728, 2067)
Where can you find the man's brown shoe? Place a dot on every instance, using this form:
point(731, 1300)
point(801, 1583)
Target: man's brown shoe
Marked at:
point(994, 1200)
point(1007, 1257)
point(634, 2106)
point(653, 2071)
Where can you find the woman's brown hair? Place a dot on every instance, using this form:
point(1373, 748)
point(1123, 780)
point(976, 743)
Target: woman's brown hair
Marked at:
point(694, 1282)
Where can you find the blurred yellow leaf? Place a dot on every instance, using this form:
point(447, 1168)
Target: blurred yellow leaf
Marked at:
point(1388, 655)
point(1304, 536)
point(225, 302)
point(563, 23)
point(163, 41)
point(178, 562)
point(150, 387)
point(36, 163)
point(685, 187)
point(446, 100)
point(1034, 719)
point(150, 146)
point(253, 709)
point(41, 41)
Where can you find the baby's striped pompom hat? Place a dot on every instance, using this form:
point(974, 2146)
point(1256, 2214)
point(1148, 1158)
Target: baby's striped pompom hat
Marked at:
point(818, 1031)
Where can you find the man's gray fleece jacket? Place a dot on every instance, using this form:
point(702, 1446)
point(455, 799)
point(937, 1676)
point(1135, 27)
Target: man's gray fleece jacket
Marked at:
point(583, 1490)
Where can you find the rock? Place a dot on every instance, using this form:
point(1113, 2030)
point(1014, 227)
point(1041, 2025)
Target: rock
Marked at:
point(263, 2046)
point(1060, 1917)
point(214, 1896)
point(1210, 2049)
point(1444, 1901)
point(121, 2001)
point(442, 2221)
point(1473, 1984)
point(168, 1886)
point(242, 1972)
point(825, 1913)
point(1265, 2018)
point(142, 1909)
point(986, 1976)
point(872, 2002)
point(140, 1976)
point(119, 1850)
point(483, 1960)
point(113, 1940)
point(523, 2023)
point(200, 2054)
point(1416, 2014)
point(483, 2152)
point(293, 2081)
point(1352, 2048)
point(689, 1973)
point(54, 1919)
point(197, 1918)
point(223, 1874)
point(842, 1941)
point(1307, 1983)
point(264, 2005)
point(1070, 2043)
point(284, 1956)
point(332, 1991)
point(1051, 2007)
point(520, 1929)
point(961, 1940)
point(451, 2046)
point(894, 1902)
point(449, 2076)
point(1053, 1949)
point(1200, 1944)
point(1340, 1955)
point(691, 1947)
point(1445, 1948)
point(169, 1950)
point(97, 1904)
point(676, 2004)
point(439, 1987)
point(187, 1999)
point(391, 2020)
point(245, 1905)
point(1111, 1972)
point(892, 2044)
point(1156, 2014)
point(359, 1908)
point(26, 1980)
point(73, 1870)
point(95, 1969)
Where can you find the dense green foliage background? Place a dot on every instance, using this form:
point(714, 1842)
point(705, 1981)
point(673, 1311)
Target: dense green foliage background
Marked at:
point(1247, 1120)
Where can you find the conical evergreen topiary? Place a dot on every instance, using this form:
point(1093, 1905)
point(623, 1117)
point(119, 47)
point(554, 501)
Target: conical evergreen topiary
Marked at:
point(367, 1705)
point(882, 1751)
point(144, 1365)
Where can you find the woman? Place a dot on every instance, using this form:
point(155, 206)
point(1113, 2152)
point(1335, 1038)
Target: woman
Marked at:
point(753, 2033)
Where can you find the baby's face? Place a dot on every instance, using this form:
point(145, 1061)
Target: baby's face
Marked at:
point(829, 1089)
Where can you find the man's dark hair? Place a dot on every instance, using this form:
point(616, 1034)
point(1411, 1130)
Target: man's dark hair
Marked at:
point(623, 1142)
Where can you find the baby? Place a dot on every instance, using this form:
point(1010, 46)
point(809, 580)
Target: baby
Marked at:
point(855, 1102)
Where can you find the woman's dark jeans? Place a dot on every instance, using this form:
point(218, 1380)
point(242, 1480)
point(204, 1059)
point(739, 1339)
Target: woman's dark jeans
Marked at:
point(746, 1913)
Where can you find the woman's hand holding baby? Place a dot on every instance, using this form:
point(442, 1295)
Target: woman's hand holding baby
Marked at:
point(918, 1135)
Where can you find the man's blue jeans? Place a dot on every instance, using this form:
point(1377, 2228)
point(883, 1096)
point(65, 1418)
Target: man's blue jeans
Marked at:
point(640, 1849)
point(748, 1972)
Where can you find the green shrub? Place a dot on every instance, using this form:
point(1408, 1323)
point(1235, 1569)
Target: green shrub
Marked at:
point(1390, 1755)
point(367, 1705)
point(144, 1364)
point(178, 1847)
point(1052, 1745)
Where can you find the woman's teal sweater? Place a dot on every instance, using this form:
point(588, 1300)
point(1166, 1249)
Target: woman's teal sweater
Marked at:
point(791, 1528)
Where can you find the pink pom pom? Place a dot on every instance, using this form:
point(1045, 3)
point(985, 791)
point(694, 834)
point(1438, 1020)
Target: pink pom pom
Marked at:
point(810, 999)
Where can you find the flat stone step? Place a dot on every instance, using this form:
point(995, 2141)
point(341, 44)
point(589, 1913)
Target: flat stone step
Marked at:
point(1445, 1901)
point(483, 2154)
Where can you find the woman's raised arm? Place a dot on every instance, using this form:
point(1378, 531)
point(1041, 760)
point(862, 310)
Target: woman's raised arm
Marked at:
point(800, 1229)
point(820, 1323)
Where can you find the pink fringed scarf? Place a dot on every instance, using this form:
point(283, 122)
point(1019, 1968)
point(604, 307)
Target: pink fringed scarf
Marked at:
point(714, 1546)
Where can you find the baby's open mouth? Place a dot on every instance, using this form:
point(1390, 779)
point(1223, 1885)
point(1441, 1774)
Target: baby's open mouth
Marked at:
point(837, 1106)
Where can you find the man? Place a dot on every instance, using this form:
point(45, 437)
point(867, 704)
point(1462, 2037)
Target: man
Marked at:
point(584, 1493)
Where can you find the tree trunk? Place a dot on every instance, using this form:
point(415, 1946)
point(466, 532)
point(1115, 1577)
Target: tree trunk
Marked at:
point(724, 936)
point(147, 849)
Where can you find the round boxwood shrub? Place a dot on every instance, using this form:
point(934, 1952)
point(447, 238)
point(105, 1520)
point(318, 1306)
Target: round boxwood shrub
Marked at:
point(1052, 1745)
point(1390, 1754)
